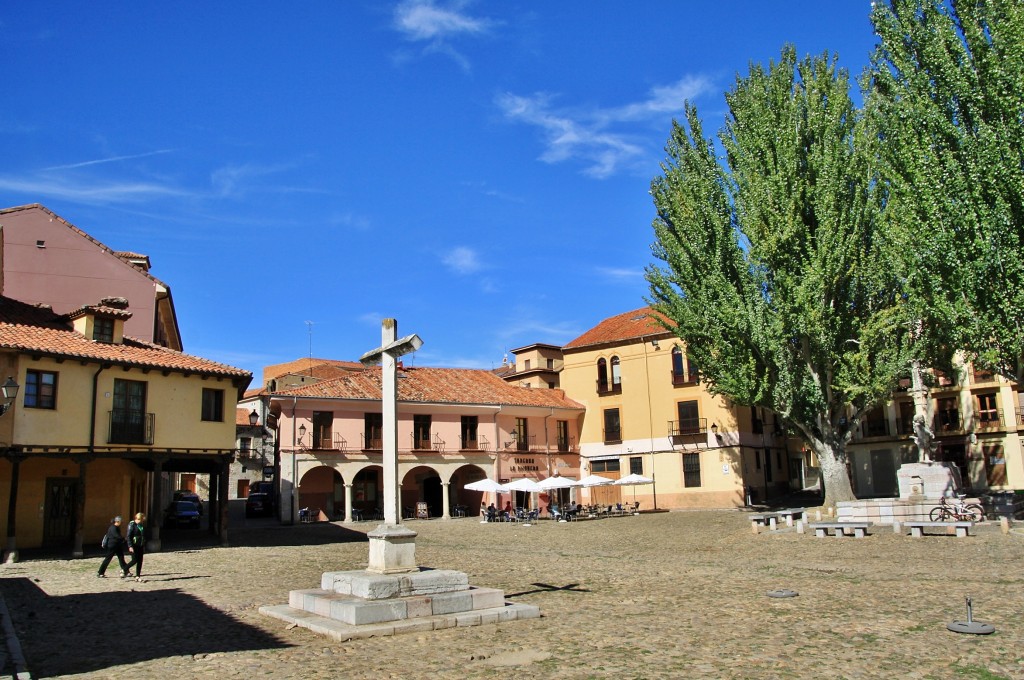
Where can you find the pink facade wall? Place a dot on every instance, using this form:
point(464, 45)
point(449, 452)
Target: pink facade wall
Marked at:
point(70, 270)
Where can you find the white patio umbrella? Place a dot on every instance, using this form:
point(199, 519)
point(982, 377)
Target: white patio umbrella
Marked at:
point(487, 486)
point(523, 484)
point(595, 480)
point(557, 482)
point(633, 480)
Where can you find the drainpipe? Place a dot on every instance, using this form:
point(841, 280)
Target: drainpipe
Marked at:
point(92, 422)
point(291, 496)
point(650, 423)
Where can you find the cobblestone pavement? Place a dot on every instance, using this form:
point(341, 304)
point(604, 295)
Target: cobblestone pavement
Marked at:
point(667, 595)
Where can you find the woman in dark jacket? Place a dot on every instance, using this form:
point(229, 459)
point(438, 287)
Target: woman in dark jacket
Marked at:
point(115, 546)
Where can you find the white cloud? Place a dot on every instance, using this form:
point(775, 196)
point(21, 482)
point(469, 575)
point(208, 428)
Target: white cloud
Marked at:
point(96, 193)
point(462, 260)
point(586, 135)
point(620, 273)
point(423, 20)
point(112, 159)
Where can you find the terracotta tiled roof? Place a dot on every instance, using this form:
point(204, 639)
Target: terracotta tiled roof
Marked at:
point(100, 310)
point(627, 326)
point(318, 368)
point(242, 417)
point(437, 386)
point(32, 329)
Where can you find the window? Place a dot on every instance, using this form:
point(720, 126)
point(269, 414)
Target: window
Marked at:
point(988, 414)
point(527, 364)
point(562, 435)
point(689, 418)
point(691, 369)
point(616, 372)
point(756, 424)
point(602, 375)
point(469, 428)
point(40, 389)
point(876, 423)
point(612, 430)
point(905, 424)
point(129, 422)
point(421, 431)
point(522, 435)
point(947, 417)
point(244, 443)
point(691, 470)
point(373, 430)
point(103, 330)
point(636, 465)
point(323, 426)
point(684, 370)
point(604, 465)
point(551, 363)
point(213, 405)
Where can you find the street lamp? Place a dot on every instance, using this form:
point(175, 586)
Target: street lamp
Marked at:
point(10, 391)
point(254, 418)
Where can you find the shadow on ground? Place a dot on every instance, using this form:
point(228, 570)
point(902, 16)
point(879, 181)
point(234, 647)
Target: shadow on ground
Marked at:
point(119, 628)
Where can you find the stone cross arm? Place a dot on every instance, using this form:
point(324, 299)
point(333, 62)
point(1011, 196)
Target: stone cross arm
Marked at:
point(409, 343)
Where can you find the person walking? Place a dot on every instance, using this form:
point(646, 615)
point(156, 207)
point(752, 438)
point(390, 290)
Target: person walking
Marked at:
point(115, 546)
point(137, 543)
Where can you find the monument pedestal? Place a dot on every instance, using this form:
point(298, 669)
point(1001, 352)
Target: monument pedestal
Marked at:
point(392, 550)
point(361, 604)
point(927, 480)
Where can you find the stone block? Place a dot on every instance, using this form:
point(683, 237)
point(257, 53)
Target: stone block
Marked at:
point(419, 606)
point(465, 620)
point(361, 612)
point(486, 598)
point(452, 603)
point(303, 599)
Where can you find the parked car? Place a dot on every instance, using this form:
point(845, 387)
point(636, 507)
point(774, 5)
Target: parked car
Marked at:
point(190, 496)
point(181, 514)
point(259, 505)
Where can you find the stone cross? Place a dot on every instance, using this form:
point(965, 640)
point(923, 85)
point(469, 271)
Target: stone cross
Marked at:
point(392, 547)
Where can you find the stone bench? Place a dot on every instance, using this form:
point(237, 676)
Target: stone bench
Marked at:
point(760, 519)
point(917, 528)
point(790, 514)
point(821, 529)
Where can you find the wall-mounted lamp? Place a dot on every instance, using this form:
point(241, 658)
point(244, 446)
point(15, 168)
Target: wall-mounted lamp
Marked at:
point(302, 432)
point(254, 418)
point(654, 343)
point(714, 430)
point(10, 391)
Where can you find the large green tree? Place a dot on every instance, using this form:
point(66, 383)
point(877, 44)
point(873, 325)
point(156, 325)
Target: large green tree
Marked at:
point(946, 97)
point(776, 271)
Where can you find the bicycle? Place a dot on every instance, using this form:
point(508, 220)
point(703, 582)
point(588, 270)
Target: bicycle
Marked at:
point(958, 511)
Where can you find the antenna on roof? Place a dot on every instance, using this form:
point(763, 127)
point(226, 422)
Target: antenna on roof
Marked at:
point(309, 325)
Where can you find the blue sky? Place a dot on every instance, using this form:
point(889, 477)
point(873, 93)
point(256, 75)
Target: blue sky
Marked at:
point(477, 170)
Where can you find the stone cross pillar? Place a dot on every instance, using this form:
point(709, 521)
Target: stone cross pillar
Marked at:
point(392, 546)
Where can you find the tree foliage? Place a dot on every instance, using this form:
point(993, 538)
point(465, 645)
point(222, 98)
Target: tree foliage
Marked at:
point(946, 97)
point(778, 273)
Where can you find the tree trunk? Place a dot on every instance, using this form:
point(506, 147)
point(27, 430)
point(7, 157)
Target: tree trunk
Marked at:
point(835, 477)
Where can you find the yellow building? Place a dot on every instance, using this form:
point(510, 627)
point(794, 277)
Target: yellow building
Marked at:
point(648, 414)
point(101, 422)
point(975, 418)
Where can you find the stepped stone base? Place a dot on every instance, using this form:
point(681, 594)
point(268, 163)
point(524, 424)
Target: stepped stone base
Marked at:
point(361, 604)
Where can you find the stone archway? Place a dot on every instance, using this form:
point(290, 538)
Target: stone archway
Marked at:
point(422, 484)
point(368, 492)
point(464, 500)
point(321, 492)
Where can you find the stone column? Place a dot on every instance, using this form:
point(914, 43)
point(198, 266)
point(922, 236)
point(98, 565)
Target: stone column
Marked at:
point(445, 512)
point(224, 479)
point(157, 516)
point(348, 502)
point(77, 550)
point(11, 552)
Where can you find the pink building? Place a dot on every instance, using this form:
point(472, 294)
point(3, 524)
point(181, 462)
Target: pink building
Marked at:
point(46, 260)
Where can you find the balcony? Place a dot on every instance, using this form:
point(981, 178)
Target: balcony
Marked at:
point(325, 442)
point(990, 419)
point(372, 442)
point(947, 422)
point(130, 427)
point(605, 388)
point(679, 378)
point(612, 435)
point(519, 443)
point(478, 443)
point(981, 375)
point(689, 426)
point(566, 445)
point(875, 427)
point(424, 442)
